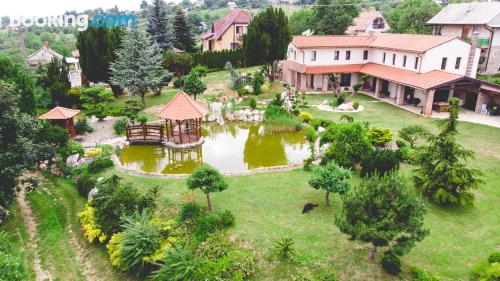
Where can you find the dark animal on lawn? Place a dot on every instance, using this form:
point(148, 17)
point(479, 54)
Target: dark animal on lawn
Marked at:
point(308, 207)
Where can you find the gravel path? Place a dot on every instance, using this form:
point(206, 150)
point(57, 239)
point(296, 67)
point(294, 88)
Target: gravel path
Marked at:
point(103, 132)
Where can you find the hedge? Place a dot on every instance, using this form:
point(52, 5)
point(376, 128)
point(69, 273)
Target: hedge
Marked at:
point(218, 59)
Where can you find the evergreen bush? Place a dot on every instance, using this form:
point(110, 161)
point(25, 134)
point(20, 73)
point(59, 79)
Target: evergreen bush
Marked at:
point(391, 263)
point(120, 125)
point(380, 161)
point(100, 164)
point(379, 136)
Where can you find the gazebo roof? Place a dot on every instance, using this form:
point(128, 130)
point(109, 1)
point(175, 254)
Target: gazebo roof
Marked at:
point(182, 107)
point(59, 113)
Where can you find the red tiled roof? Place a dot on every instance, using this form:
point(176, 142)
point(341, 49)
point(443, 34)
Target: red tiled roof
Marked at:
point(75, 53)
point(404, 42)
point(363, 21)
point(219, 27)
point(58, 113)
point(182, 107)
point(426, 80)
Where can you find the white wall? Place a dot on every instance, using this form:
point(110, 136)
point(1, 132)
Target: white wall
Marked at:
point(431, 60)
point(496, 37)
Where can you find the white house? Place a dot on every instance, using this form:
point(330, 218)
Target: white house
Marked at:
point(370, 21)
point(404, 68)
point(476, 22)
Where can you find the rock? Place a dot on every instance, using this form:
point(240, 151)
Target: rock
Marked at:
point(93, 192)
point(72, 160)
point(321, 129)
point(256, 118)
point(346, 107)
point(255, 112)
point(54, 170)
point(85, 161)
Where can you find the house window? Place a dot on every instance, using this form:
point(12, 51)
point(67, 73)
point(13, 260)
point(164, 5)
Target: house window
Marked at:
point(347, 55)
point(313, 55)
point(365, 54)
point(404, 61)
point(393, 59)
point(416, 62)
point(443, 63)
point(345, 79)
point(239, 29)
point(383, 58)
point(437, 30)
point(234, 46)
point(457, 63)
point(336, 55)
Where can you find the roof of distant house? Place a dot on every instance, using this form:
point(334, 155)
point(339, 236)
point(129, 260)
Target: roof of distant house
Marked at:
point(220, 26)
point(59, 113)
point(75, 53)
point(363, 21)
point(182, 107)
point(46, 48)
point(417, 43)
point(469, 13)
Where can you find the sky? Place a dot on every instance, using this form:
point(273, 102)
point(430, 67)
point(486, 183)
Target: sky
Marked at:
point(58, 7)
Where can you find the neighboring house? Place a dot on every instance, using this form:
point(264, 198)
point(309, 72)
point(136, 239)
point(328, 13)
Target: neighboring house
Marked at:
point(370, 21)
point(477, 22)
point(43, 56)
point(400, 68)
point(231, 5)
point(227, 33)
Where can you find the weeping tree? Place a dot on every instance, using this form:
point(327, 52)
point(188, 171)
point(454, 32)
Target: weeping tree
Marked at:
point(267, 40)
point(139, 64)
point(208, 180)
point(442, 173)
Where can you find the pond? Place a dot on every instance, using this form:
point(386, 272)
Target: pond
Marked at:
point(231, 148)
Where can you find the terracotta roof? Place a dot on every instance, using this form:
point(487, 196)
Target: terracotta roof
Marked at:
point(75, 53)
point(321, 69)
point(182, 107)
point(364, 20)
point(428, 80)
point(219, 27)
point(404, 42)
point(58, 113)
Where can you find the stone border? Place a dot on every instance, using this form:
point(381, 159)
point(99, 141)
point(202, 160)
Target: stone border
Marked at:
point(184, 146)
point(324, 107)
point(134, 172)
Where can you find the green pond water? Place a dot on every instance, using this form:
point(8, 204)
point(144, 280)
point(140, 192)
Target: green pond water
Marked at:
point(231, 148)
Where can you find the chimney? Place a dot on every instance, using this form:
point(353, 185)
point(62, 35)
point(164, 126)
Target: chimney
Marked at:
point(472, 52)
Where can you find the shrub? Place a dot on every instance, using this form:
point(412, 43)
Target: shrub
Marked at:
point(91, 229)
point(114, 247)
point(356, 87)
point(179, 82)
point(214, 247)
point(142, 119)
point(99, 164)
point(391, 263)
point(494, 257)
point(379, 136)
point(72, 147)
point(305, 117)
point(401, 143)
point(380, 161)
point(334, 103)
point(12, 267)
point(84, 184)
point(311, 133)
point(237, 265)
point(415, 101)
point(189, 211)
point(106, 149)
point(348, 143)
point(405, 153)
point(243, 92)
point(253, 103)
point(355, 105)
point(179, 264)
point(258, 81)
point(412, 133)
point(284, 248)
point(82, 126)
point(317, 122)
point(487, 270)
point(120, 125)
point(213, 222)
point(422, 275)
point(93, 152)
point(342, 97)
point(54, 134)
point(95, 100)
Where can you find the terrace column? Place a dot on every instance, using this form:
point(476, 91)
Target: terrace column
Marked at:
point(399, 94)
point(451, 92)
point(325, 83)
point(298, 77)
point(377, 87)
point(429, 98)
point(482, 98)
point(303, 82)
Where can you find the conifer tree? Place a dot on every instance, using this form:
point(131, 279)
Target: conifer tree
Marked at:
point(138, 66)
point(334, 19)
point(158, 25)
point(182, 30)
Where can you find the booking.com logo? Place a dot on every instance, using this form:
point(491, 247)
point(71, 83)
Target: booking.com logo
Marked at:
point(81, 22)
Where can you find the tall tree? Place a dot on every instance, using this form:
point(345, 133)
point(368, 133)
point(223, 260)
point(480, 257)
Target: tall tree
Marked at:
point(15, 74)
point(184, 39)
point(267, 40)
point(411, 16)
point(193, 84)
point(208, 180)
point(138, 66)
point(333, 17)
point(303, 20)
point(332, 178)
point(55, 81)
point(159, 26)
point(383, 211)
point(442, 172)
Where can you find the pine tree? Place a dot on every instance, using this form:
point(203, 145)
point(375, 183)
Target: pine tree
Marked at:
point(138, 66)
point(334, 20)
point(158, 25)
point(182, 30)
point(442, 174)
point(267, 40)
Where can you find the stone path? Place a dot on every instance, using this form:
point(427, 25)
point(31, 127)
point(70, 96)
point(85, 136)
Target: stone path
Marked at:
point(103, 131)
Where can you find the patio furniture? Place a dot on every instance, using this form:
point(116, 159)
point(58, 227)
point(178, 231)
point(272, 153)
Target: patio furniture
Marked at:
point(441, 106)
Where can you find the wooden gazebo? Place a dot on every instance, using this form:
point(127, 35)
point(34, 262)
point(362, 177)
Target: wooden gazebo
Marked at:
point(183, 116)
point(63, 117)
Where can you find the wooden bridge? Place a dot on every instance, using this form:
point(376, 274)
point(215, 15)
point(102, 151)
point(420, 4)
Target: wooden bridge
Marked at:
point(145, 133)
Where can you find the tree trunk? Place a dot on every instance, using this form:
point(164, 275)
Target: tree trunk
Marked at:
point(327, 198)
point(373, 252)
point(209, 204)
point(143, 99)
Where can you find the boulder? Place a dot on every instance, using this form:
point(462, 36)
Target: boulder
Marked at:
point(72, 160)
point(346, 107)
point(93, 192)
point(54, 170)
point(321, 129)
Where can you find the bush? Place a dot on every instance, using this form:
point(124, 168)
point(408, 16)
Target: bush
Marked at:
point(412, 133)
point(178, 265)
point(82, 126)
point(84, 183)
point(72, 147)
point(142, 119)
point(317, 122)
point(258, 81)
point(391, 263)
point(93, 152)
point(379, 136)
point(422, 275)
point(214, 221)
point(311, 133)
point(284, 248)
point(253, 103)
point(379, 161)
point(106, 149)
point(99, 164)
point(120, 125)
point(12, 267)
point(494, 257)
point(243, 92)
point(54, 134)
point(179, 82)
point(415, 101)
point(214, 247)
point(305, 117)
point(237, 265)
point(348, 143)
point(189, 211)
point(355, 105)
point(334, 103)
point(218, 59)
point(487, 270)
point(92, 230)
point(401, 143)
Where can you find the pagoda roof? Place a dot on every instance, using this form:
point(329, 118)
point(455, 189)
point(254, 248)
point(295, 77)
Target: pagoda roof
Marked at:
point(182, 107)
point(59, 113)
